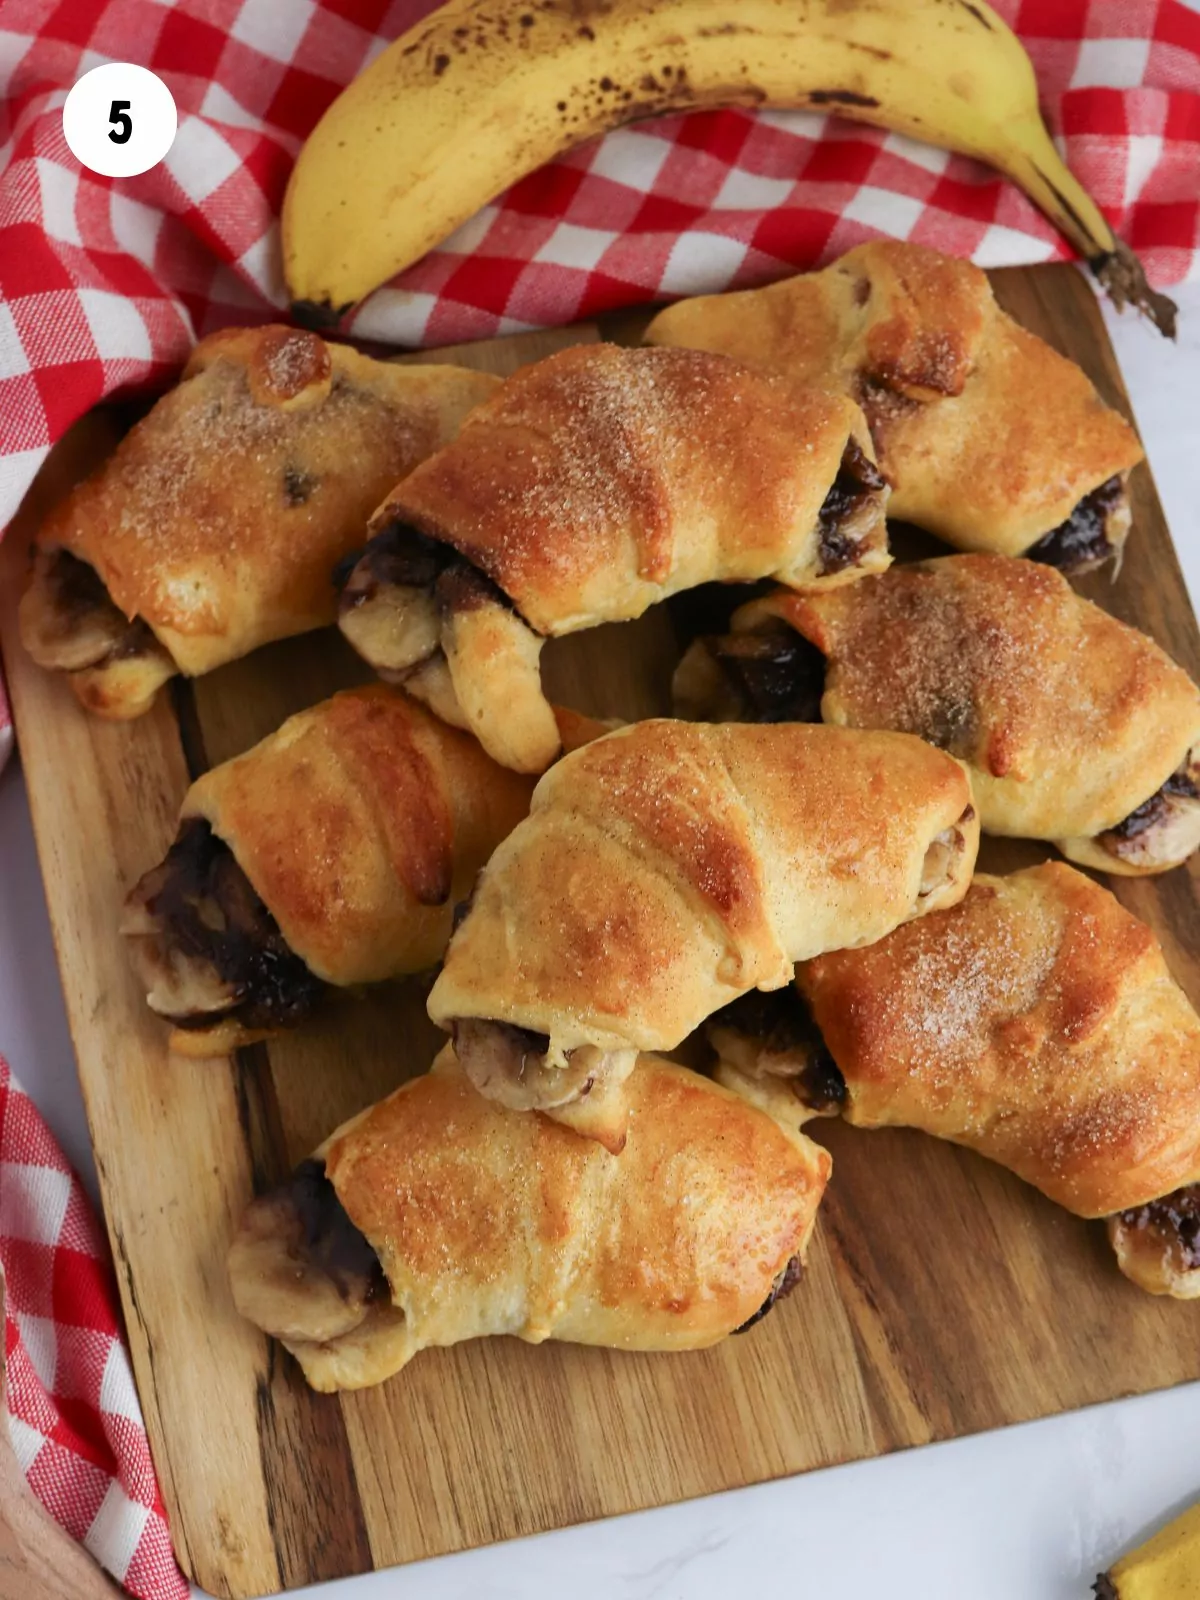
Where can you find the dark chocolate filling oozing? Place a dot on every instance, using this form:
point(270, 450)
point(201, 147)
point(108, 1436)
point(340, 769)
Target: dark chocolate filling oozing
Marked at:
point(93, 629)
point(298, 485)
point(138, 640)
point(207, 909)
point(780, 1289)
point(78, 587)
point(1082, 540)
point(1176, 1216)
point(857, 477)
point(779, 676)
point(397, 554)
point(326, 1236)
point(781, 1021)
point(399, 593)
point(1152, 811)
point(299, 1267)
point(460, 587)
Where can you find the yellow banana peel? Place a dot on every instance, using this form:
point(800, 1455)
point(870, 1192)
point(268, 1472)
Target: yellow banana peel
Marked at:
point(1166, 1567)
point(482, 92)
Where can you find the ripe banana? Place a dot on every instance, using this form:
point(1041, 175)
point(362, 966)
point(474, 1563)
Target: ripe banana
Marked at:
point(1166, 1567)
point(484, 91)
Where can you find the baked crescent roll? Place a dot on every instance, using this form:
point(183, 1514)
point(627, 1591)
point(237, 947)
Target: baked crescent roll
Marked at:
point(590, 486)
point(215, 525)
point(667, 868)
point(1076, 727)
point(988, 437)
point(1035, 1022)
point(438, 1216)
point(332, 853)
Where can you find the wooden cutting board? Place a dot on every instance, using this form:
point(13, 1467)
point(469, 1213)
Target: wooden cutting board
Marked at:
point(942, 1296)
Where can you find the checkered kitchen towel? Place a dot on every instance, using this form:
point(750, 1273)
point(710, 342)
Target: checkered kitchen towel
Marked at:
point(104, 283)
point(75, 1422)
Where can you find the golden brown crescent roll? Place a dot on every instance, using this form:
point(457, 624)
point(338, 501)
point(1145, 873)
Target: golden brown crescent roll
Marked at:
point(217, 522)
point(1035, 1022)
point(988, 437)
point(667, 868)
point(331, 853)
point(590, 486)
point(1076, 727)
point(438, 1216)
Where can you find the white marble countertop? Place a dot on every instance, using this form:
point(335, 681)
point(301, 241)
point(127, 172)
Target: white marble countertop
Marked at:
point(1031, 1513)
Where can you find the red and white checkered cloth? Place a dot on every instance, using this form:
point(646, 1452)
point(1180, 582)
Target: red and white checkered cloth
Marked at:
point(74, 1417)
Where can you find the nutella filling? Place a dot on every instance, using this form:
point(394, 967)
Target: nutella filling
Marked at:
point(1174, 1220)
point(773, 1034)
point(387, 608)
point(780, 1289)
point(69, 623)
point(775, 676)
point(857, 479)
point(299, 1267)
point(1164, 829)
point(516, 1067)
point(1093, 532)
point(397, 592)
point(207, 947)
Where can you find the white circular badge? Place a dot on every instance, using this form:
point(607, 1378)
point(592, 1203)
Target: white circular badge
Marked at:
point(120, 119)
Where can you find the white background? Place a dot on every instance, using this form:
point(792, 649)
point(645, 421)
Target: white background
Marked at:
point(1028, 1514)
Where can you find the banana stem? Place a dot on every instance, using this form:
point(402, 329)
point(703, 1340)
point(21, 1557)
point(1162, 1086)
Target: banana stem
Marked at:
point(1080, 221)
point(1123, 279)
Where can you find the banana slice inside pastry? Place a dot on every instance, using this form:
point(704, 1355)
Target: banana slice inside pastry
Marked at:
point(69, 624)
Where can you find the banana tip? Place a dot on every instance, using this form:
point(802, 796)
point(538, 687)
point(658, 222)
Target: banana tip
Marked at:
point(318, 316)
point(1104, 1588)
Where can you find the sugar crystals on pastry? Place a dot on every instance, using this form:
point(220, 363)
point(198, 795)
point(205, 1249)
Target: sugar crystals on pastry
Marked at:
point(592, 485)
point(214, 526)
point(332, 853)
point(1076, 727)
point(989, 438)
point(1035, 1022)
point(438, 1216)
point(667, 868)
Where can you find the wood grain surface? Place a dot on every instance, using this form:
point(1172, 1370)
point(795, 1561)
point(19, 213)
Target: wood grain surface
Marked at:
point(942, 1295)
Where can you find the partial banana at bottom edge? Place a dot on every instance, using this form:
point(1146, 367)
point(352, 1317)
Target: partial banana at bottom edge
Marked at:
point(482, 92)
point(1166, 1567)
